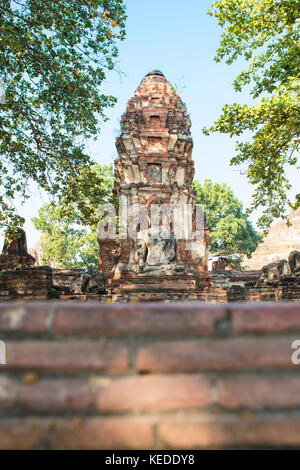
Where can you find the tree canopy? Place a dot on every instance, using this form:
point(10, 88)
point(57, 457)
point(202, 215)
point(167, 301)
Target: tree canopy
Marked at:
point(231, 232)
point(54, 56)
point(67, 240)
point(266, 34)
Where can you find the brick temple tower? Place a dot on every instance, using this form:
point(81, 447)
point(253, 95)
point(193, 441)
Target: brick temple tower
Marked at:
point(154, 166)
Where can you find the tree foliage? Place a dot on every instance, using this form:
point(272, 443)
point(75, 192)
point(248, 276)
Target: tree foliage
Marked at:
point(68, 227)
point(231, 232)
point(54, 55)
point(266, 34)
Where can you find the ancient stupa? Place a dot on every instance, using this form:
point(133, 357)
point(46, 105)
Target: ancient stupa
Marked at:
point(154, 166)
point(15, 254)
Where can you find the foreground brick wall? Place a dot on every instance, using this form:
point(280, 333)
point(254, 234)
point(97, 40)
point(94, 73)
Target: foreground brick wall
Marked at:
point(92, 376)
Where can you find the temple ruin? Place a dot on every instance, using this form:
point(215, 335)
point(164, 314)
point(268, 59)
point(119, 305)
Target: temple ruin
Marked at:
point(163, 258)
point(155, 168)
point(19, 278)
point(279, 242)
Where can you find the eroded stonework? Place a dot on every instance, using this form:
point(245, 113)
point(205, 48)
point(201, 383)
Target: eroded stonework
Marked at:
point(154, 167)
point(278, 243)
point(18, 276)
point(14, 254)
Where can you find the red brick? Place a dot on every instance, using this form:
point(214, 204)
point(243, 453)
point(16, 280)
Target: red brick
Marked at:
point(22, 434)
point(190, 432)
point(235, 354)
point(153, 393)
point(266, 318)
point(23, 317)
point(278, 243)
point(57, 395)
point(143, 319)
point(8, 392)
point(259, 392)
point(69, 356)
point(104, 433)
point(133, 394)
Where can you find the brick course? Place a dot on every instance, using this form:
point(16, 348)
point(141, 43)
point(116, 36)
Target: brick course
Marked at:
point(92, 376)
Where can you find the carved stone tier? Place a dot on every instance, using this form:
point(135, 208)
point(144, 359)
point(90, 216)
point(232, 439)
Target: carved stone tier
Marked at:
point(155, 167)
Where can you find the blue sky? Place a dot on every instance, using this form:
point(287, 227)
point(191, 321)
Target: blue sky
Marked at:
point(180, 39)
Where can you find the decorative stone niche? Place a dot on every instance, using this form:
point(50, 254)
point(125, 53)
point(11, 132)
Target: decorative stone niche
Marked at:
point(154, 173)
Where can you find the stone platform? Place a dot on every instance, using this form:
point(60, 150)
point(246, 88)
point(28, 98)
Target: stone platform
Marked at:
point(152, 288)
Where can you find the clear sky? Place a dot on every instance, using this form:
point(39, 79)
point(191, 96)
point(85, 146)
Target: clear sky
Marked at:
point(179, 39)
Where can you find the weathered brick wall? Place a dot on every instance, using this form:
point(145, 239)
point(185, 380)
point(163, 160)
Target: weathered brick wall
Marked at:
point(81, 376)
point(30, 283)
point(68, 278)
point(277, 245)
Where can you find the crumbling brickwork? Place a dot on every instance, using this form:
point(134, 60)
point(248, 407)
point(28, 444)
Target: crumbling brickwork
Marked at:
point(14, 254)
point(27, 283)
point(278, 244)
point(18, 276)
point(154, 167)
